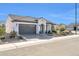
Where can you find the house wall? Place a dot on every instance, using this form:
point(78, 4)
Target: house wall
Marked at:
point(78, 28)
point(49, 27)
point(9, 25)
point(56, 27)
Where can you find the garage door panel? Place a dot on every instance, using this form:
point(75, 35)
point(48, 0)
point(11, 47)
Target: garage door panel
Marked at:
point(27, 29)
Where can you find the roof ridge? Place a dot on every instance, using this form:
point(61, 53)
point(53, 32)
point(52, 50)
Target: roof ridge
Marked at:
point(20, 15)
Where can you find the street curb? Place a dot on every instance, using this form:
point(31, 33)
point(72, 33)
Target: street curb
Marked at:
point(11, 46)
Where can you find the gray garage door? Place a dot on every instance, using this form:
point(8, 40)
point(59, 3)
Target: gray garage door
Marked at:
point(27, 29)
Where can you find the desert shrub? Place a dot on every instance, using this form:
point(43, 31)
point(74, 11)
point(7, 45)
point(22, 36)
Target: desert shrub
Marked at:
point(2, 37)
point(13, 34)
point(60, 30)
point(62, 27)
point(65, 32)
point(54, 31)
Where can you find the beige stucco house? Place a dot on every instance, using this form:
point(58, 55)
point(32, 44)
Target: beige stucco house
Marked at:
point(27, 25)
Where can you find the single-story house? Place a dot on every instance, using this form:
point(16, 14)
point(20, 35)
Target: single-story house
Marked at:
point(71, 27)
point(27, 25)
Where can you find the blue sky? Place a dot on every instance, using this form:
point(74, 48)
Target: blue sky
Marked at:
point(57, 13)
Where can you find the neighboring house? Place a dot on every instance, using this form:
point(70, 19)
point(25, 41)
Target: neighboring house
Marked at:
point(78, 27)
point(27, 25)
point(70, 27)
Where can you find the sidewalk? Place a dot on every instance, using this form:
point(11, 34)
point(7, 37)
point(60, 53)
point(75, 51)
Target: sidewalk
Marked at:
point(30, 43)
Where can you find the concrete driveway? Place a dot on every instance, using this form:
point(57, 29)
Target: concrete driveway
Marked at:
point(65, 47)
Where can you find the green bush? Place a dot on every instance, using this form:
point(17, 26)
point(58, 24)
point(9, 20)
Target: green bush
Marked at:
point(63, 33)
point(2, 31)
point(54, 31)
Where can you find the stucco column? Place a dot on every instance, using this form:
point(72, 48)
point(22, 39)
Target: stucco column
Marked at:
point(37, 29)
point(17, 29)
point(49, 27)
point(44, 28)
